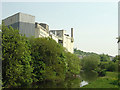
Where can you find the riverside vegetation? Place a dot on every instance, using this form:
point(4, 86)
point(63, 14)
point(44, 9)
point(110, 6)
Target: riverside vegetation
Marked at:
point(27, 62)
point(107, 70)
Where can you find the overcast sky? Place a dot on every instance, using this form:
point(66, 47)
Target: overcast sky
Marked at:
point(95, 23)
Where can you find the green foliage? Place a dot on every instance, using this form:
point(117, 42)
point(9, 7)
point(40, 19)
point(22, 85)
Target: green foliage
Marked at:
point(104, 58)
point(115, 59)
point(26, 61)
point(90, 62)
point(103, 65)
point(104, 82)
point(48, 59)
point(15, 59)
point(82, 53)
point(112, 66)
point(101, 72)
point(73, 63)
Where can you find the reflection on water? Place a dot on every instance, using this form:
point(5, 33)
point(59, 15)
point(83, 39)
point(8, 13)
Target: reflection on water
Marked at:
point(88, 76)
point(74, 82)
point(68, 83)
point(83, 83)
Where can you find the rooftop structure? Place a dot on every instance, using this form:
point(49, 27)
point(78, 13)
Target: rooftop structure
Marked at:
point(26, 24)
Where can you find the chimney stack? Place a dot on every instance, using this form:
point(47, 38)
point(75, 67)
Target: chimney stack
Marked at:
point(72, 32)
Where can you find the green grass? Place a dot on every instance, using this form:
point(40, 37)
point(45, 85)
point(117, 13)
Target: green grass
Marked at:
point(104, 82)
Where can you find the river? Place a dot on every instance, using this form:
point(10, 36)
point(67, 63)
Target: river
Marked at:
point(84, 78)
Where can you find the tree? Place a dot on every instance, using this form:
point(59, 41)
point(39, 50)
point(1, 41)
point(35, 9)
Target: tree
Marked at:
point(73, 63)
point(111, 66)
point(90, 62)
point(104, 58)
point(48, 59)
point(16, 69)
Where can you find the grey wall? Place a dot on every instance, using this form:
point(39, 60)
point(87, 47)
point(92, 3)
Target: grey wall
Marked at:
point(25, 23)
point(27, 28)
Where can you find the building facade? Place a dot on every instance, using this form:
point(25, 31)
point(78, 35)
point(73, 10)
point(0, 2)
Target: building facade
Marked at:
point(40, 31)
point(64, 39)
point(26, 24)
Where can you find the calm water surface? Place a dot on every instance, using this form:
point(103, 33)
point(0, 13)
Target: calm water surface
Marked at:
point(75, 82)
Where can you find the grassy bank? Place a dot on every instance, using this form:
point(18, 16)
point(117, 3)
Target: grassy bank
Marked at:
point(104, 82)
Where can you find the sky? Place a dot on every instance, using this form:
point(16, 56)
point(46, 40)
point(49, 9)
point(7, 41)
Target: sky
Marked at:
point(95, 24)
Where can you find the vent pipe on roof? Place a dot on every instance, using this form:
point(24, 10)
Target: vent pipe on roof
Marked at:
point(72, 32)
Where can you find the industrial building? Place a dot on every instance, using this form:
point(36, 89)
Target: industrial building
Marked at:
point(26, 24)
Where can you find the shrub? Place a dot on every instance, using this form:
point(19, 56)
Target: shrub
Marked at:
point(111, 66)
point(48, 59)
point(102, 72)
point(73, 63)
point(16, 59)
point(90, 62)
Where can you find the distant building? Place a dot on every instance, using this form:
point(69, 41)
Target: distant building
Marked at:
point(26, 24)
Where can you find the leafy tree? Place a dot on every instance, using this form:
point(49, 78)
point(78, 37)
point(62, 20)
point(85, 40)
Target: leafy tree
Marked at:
point(112, 66)
point(90, 62)
point(80, 53)
point(48, 59)
point(73, 63)
point(16, 69)
point(104, 58)
point(103, 65)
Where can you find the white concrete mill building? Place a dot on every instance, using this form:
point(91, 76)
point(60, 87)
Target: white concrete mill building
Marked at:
point(26, 24)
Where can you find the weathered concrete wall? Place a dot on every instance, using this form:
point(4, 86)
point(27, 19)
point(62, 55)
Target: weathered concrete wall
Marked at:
point(25, 23)
point(54, 37)
point(67, 43)
point(59, 33)
point(26, 18)
point(40, 31)
point(64, 39)
point(27, 28)
point(12, 19)
point(45, 26)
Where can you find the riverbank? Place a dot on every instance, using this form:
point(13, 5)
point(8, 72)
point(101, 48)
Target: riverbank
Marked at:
point(104, 82)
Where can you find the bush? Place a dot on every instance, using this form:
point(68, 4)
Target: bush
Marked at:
point(111, 66)
point(102, 72)
point(103, 65)
point(104, 58)
point(90, 62)
point(116, 81)
point(16, 59)
point(48, 59)
point(73, 64)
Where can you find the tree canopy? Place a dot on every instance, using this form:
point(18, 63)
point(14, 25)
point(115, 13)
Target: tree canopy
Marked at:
point(16, 68)
point(90, 62)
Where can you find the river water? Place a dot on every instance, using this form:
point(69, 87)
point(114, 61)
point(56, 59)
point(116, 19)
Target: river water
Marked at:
point(84, 78)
